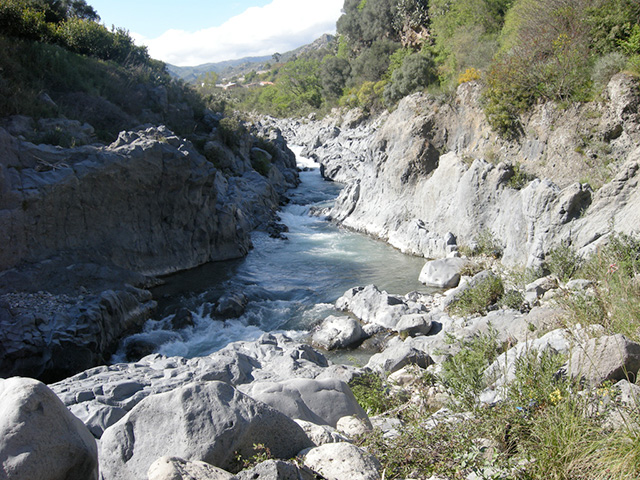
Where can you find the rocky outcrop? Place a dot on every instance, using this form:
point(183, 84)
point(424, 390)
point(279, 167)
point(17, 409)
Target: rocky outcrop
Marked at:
point(432, 173)
point(149, 203)
point(103, 395)
point(81, 228)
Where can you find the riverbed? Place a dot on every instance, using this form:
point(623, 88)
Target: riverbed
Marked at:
point(290, 283)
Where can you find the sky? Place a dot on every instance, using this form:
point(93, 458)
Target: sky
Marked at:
point(193, 32)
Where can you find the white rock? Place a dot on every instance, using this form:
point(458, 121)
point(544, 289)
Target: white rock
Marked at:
point(318, 401)
point(209, 422)
point(338, 332)
point(174, 468)
point(39, 438)
point(321, 434)
point(340, 461)
point(414, 324)
point(353, 426)
point(442, 273)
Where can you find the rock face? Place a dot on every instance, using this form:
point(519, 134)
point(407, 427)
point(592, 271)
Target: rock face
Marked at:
point(210, 422)
point(149, 203)
point(401, 185)
point(81, 227)
point(39, 438)
point(611, 357)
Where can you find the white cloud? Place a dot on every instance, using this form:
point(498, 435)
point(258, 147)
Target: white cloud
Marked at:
point(278, 27)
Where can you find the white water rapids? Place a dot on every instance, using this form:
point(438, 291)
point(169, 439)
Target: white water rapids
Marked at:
point(291, 284)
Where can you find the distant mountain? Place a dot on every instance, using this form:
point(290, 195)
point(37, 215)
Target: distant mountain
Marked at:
point(241, 66)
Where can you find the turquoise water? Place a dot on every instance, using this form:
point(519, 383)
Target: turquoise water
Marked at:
point(291, 284)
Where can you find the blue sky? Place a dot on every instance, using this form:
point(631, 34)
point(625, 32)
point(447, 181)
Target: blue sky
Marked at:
point(193, 32)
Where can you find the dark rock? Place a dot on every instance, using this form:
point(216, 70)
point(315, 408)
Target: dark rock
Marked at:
point(232, 305)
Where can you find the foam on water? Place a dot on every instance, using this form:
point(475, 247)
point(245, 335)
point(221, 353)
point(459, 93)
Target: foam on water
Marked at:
point(291, 284)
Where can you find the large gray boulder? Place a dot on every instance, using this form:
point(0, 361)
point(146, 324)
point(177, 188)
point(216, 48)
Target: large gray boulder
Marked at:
point(322, 402)
point(442, 273)
point(396, 355)
point(339, 461)
point(174, 468)
point(611, 357)
point(338, 332)
point(39, 438)
point(276, 470)
point(211, 422)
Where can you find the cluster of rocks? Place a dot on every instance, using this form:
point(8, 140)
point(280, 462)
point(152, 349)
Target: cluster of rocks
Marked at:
point(83, 229)
point(432, 174)
point(274, 399)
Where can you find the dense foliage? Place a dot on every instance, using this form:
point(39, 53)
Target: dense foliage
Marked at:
point(521, 51)
point(57, 50)
point(71, 24)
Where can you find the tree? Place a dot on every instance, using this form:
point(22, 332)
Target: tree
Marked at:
point(334, 74)
point(372, 64)
point(300, 80)
point(416, 73)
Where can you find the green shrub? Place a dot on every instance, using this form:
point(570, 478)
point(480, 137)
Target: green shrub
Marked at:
point(416, 73)
point(563, 262)
point(487, 244)
point(520, 178)
point(463, 372)
point(372, 394)
point(606, 67)
point(477, 299)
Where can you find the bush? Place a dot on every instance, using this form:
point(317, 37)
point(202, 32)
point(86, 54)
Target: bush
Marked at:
point(469, 75)
point(372, 394)
point(416, 73)
point(563, 262)
point(606, 67)
point(463, 372)
point(615, 272)
point(477, 299)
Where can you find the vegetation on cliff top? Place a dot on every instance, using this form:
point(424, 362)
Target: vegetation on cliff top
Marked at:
point(522, 51)
point(57, 60)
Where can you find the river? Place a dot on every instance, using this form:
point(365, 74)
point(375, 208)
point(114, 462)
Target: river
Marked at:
point(291, 284)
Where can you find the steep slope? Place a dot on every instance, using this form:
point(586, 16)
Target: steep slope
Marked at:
point(432, 173)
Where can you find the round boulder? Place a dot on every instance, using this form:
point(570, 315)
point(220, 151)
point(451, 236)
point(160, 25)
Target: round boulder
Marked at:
point(338, 332)
point(442, 273)
point(40, 438)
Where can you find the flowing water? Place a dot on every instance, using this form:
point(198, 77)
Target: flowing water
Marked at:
point(291, 284)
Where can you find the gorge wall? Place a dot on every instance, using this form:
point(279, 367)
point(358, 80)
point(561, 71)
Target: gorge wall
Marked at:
point(432, 173)
point(81, 229)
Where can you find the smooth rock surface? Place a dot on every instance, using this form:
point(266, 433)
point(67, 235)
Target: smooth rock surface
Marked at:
point(612, 357)
point(396, 355)
point(338, 332)
point(340, 461)
point(442, 273)
point(319, 401)
point(39, 438)
point(276, 470)
point(209, 422)
point(103, 395)
point(371, 305)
